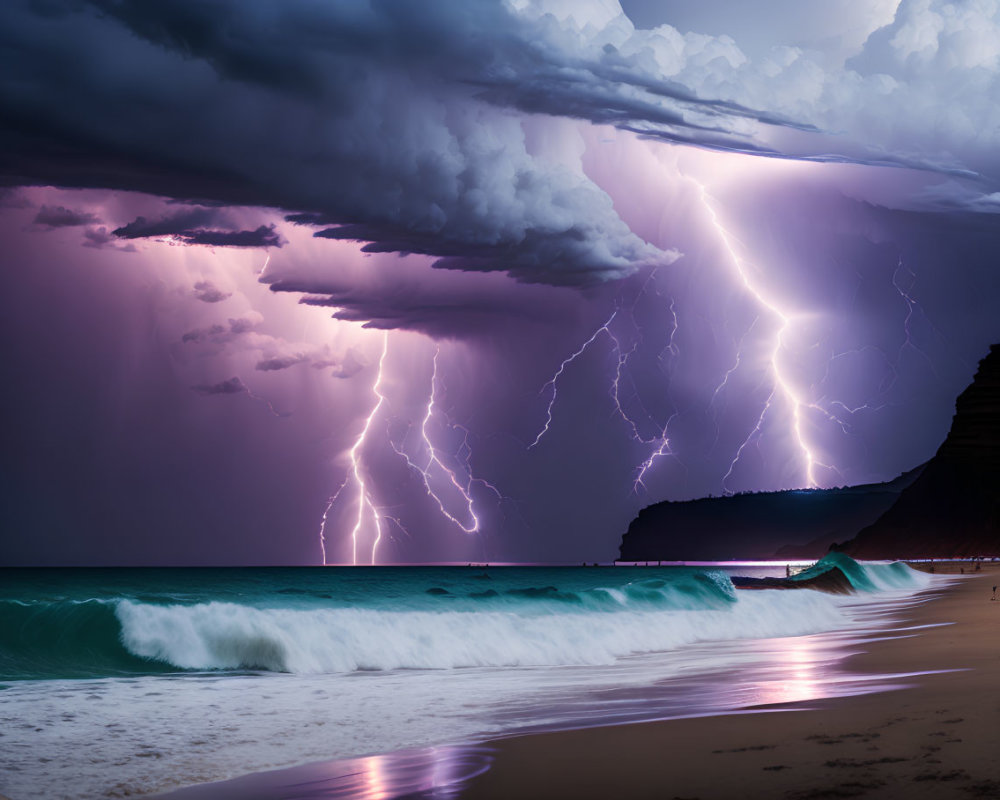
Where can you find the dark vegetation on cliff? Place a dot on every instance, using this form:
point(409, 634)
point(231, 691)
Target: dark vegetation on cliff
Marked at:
point(949, 507)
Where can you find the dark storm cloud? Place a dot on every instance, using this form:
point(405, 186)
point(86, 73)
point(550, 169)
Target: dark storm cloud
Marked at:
point(440, 314)
point(264, 236)
point(100, 238)
point(176, 224)
point(367, 115)
point(190, 226)
point(62, 217)
point(396, 120)
point(230, 386)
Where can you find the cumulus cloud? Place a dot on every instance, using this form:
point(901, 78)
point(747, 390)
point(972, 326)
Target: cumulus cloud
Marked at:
point(208, 292)
point(222, 334)
point(347, 366)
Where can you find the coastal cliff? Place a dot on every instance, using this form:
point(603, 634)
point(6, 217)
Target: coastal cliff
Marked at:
point(948, 507)
point(953, 508)
point(790, 524)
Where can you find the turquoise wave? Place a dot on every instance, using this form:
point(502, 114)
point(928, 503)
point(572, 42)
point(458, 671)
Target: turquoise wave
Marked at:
point(65, 639)
point(420, 618)
point(866, 577)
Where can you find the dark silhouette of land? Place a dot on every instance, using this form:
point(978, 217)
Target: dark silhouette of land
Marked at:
point(952, 510)
point(946, 508)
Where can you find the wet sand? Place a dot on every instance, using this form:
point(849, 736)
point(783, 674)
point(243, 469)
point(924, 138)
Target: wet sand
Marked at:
point(938, 738)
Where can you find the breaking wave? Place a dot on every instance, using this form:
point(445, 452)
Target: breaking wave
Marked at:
point(447, 628)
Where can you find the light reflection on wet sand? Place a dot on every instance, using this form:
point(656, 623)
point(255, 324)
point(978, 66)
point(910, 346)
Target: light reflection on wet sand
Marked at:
point(432, 773)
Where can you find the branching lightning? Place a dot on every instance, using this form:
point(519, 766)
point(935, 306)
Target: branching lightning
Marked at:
point(905, 293)
point(551, 383)
point(355, 474)
point(266, 403)
point(434, 463)
point(782, 384)
point(660, 442)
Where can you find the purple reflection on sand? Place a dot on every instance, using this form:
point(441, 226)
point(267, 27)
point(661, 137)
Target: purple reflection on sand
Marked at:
point(432, 773)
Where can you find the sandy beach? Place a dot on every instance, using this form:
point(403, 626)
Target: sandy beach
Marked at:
point(940, 737)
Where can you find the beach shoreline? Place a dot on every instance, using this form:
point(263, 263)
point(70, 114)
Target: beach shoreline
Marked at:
point(935, 738)
point(886, 744)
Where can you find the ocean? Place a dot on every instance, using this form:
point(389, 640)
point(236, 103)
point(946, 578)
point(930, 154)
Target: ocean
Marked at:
point(123, 682)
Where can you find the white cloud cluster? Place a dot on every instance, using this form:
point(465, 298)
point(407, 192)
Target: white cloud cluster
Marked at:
point(921, 90)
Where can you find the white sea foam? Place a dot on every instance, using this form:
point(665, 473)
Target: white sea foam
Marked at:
point(229, 636)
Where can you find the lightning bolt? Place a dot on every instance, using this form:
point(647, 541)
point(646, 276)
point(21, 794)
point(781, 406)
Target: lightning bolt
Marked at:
point(355, 475)
point(912, 307)
point(266, 403)
point(782, 385)
point(551, 383)
point(660, 442)
point(435, 463)
point(670, 347)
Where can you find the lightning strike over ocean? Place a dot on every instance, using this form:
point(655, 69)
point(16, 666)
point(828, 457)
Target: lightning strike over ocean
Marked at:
point(356, 475)
point(455, 299)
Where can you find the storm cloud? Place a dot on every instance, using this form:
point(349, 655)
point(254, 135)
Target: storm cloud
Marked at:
point(580, 264)
point(189, 227)
point(62, 217)
point(229, 386)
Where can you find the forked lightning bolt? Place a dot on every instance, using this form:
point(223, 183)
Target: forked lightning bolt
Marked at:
point(551, 383)
point(782, 385)
point(355, 475)
point(432, 469)
point(434, 462)
point(660, 442)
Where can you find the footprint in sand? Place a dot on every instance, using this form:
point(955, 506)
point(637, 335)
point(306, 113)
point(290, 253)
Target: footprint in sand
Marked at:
point(953, 775)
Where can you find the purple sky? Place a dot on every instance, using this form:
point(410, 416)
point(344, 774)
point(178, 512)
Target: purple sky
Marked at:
point(291, 281)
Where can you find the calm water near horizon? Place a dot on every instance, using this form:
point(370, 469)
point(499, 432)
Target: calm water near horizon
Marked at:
point(139, 680)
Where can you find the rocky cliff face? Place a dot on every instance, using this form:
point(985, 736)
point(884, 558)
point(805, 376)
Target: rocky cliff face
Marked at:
point(953, 508)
